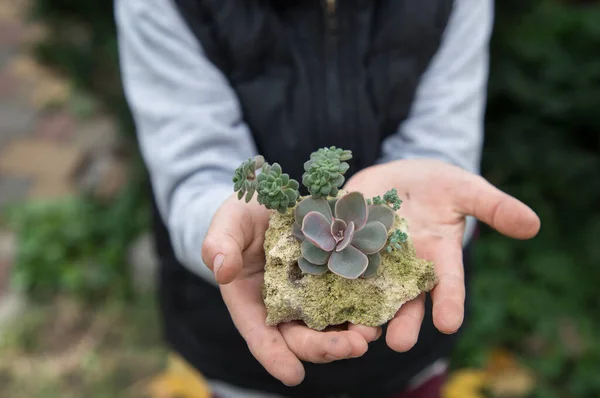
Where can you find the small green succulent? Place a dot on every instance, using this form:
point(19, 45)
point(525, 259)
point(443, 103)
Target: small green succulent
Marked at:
point(324, 172)
point(396, 238)
point(244, 177)
point(276, 190)
point(342, 235)
point(390, 198)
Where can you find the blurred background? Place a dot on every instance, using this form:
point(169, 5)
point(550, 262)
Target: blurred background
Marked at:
point(77, 317)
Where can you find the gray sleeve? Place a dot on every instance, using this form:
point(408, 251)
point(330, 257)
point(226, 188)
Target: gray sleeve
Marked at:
point(446, 119)
point(188, 121)
point(447, 116)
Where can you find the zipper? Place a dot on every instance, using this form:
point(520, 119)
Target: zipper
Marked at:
point(332, 69)
point(331, 9)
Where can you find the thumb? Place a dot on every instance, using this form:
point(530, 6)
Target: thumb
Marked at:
point(509, 216)
point(230, 232)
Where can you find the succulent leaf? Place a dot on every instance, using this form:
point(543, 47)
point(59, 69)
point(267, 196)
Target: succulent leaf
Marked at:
point(348, 236)
point(310, 268)
point(276, 168)
point(317, 229)
point(337, 228)
point(332, 152)
point(291, 194)
point(371, 238)
point(349, 263)
point(250, 193)
point(313, 254)
point(373, 267)
point(311, 204)
point(383, 214)
point(297, 232)
point(326, 188)
point(339, 181)
point(352, 207)
point(332, 203)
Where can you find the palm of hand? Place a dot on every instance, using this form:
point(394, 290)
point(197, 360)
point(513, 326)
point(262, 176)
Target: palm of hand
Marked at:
point(436, 198)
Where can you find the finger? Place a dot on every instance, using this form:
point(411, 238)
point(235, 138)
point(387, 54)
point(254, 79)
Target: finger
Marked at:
point(322, 347)
point(507, 215)
point(448, 296)
point(230, 232)
point(403, 329)
point(369, 333)
point(266, 343)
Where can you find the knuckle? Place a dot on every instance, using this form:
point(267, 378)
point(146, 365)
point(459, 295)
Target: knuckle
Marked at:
point(339, 347)
point(306, 346)
point(313, 349)
point(254, 339)
point(412, 317)
point(452, 281)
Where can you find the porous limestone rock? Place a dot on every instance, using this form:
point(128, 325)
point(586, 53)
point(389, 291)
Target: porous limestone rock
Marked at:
point(329, 299)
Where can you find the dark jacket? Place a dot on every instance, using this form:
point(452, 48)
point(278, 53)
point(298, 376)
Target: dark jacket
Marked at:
point(308, 74)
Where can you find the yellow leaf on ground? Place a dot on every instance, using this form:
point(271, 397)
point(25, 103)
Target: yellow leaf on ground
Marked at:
point(466, 383)
point(180, 380)
point(507, 377)
point(502, 377)
point(515, 383)
point(501, 360)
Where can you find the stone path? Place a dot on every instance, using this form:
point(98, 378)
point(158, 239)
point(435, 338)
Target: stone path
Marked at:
point(16, 120)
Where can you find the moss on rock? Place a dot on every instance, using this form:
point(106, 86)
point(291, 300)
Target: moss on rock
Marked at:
point(329, 299)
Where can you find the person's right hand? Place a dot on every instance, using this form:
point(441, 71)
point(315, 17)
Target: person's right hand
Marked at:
point(233, 250)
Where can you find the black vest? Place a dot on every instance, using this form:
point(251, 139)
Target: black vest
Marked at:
point(308, 74)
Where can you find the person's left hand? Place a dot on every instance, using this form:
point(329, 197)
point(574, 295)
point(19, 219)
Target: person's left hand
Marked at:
point(436, 198)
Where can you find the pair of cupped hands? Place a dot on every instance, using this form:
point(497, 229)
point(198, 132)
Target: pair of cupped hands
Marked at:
point(436, 199)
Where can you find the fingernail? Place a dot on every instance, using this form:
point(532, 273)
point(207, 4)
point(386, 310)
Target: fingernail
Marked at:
point(217, 263)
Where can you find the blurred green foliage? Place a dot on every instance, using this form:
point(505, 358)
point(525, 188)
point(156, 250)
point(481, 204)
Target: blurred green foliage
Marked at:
point(540, 297)
point(543, 146)
point(80, 246)
point(77, 246)
point(82, 44)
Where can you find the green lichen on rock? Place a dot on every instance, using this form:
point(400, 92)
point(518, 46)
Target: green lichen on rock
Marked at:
point(329, 299)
